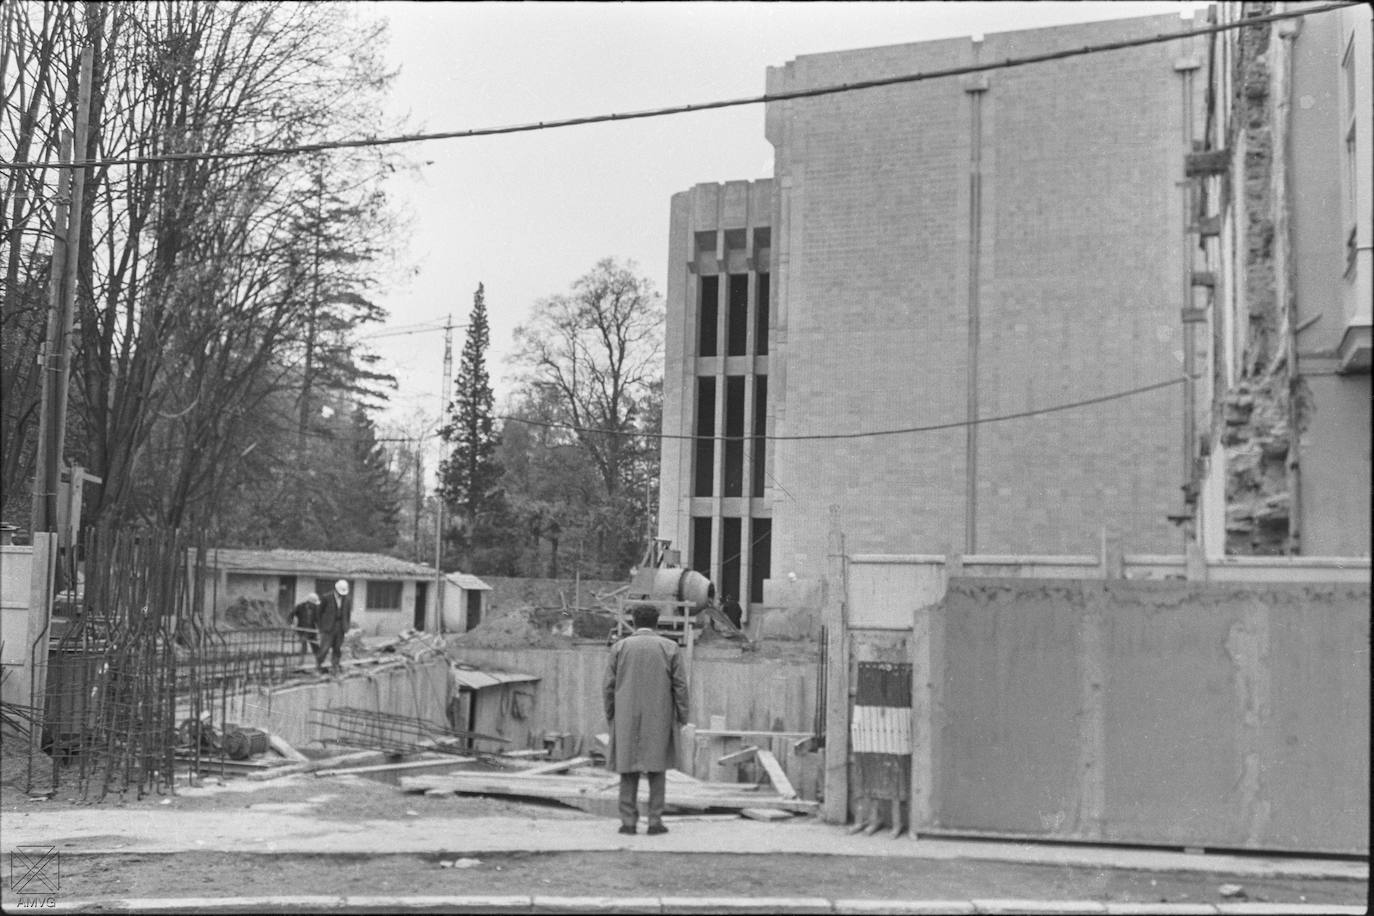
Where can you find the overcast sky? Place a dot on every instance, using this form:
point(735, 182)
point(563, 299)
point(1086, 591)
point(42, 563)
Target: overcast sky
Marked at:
point(527, 214)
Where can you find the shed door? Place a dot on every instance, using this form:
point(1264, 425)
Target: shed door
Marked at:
point(421, 592)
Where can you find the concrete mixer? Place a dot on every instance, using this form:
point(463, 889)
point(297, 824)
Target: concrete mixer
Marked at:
point(681, 595)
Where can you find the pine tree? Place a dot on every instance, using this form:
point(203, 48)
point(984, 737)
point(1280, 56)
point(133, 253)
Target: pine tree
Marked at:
point(469, 479)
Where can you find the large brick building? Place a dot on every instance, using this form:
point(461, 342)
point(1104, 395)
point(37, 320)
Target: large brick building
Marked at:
point(937, 255)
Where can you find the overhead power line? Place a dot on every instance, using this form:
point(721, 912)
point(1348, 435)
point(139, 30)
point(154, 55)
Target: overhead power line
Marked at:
point(686, 109)
point(956, 424)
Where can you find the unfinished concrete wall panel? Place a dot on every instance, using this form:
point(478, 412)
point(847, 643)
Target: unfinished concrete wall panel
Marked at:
point(1008, 748)
point(754, 694)
point(1157, 712)
point(419, 690)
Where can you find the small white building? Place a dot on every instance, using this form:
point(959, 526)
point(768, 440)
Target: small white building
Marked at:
point(466, 602)
point(389, 595)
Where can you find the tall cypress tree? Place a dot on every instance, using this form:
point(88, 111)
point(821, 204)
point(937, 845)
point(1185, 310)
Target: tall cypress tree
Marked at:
point(469, 479)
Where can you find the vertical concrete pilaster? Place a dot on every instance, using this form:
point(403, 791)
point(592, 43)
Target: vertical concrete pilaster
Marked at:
point(1092, 733)
point(927, 652)
point(834, 616)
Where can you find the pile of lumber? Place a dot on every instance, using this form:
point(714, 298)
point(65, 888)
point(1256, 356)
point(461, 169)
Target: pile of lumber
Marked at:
point(577, 783)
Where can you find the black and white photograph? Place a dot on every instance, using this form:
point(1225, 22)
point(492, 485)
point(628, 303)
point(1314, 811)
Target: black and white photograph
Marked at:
point(712, 456)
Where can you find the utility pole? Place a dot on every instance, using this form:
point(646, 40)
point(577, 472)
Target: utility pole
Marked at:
point(439, 500)
point(62, 282)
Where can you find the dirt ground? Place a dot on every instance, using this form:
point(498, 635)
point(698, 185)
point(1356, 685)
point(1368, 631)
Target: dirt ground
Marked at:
point(642, 873)
point(656, 874)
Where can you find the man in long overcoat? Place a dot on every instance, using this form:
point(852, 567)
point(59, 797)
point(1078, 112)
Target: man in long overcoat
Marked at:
point(646, 701)
point(336, 613)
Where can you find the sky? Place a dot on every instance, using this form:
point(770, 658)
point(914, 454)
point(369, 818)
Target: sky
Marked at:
point(527, 214)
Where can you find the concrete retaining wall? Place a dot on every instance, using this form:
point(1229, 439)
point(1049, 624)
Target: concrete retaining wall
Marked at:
point(1221, 715)
point(419, 690)
point(751, 693)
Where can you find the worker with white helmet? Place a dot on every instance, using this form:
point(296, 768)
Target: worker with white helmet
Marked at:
point(336, 612)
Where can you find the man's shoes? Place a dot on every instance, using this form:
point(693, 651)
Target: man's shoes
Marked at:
point(630, 831)
point(656, 829)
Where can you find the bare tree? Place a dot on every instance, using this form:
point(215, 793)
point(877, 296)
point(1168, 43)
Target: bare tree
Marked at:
point(596, 356)
point(197, 300)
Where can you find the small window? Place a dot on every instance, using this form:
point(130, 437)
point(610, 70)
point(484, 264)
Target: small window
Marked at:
point(763, 238)
point(383, 596)
point(706, 243)
point(734, 239)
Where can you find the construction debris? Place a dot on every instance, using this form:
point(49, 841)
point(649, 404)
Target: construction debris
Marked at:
point(428, 761)
point(392, 733)
point(599, 793)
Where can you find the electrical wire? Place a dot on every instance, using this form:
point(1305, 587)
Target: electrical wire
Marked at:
point(684, 109)
point(935, 427)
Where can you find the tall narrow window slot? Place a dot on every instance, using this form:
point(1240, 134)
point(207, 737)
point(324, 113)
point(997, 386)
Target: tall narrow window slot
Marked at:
point(730, 557)
point(705, 467)
point(734, 436)
point(701, 546)
point(761, 315)
point(760, 430)
point(708, 313)
point(738, 316)
point(760, 558)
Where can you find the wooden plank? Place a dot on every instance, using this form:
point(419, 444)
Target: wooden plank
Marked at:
point(766, 814)
point(281, 746)
point(557, 766)
point(310, 766)
point(776, 774)
point(445, 760)
point(740, 756)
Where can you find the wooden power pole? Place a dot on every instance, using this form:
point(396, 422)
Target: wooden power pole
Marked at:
point(67, 218)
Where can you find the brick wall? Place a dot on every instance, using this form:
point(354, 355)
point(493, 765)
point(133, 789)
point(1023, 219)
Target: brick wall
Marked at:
point(1080, 260)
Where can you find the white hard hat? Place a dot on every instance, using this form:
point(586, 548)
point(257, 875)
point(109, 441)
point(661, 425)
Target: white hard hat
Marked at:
point(341, 586)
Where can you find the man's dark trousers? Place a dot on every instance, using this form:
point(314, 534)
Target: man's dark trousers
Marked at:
point(629, 798)
point(331, 643)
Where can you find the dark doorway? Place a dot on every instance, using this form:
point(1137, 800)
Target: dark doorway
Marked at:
point(286, 595)
point(421, 593)
point(474, 608)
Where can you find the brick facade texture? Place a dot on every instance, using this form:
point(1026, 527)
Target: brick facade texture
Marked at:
point(1080, 264)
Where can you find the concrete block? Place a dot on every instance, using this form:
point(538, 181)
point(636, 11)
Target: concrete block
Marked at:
point(745, 905)
point(905, 907)
point(553, 904)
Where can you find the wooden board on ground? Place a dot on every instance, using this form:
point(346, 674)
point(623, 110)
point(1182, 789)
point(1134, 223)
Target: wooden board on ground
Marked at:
point(765, 814)
point(776, 775)
point(559, 766)
point(576, 790)
point(281, 746)
point(436, 760)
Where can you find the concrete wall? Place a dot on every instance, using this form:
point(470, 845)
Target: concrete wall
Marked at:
point(419, 690)
point(751, 693)
point(1155, 712)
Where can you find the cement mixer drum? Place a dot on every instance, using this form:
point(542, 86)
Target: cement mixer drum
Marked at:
point(673, 584)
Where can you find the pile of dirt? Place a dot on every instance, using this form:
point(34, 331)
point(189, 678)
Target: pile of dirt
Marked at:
point(251, 613)
point(516, 629)
point(15, 766)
